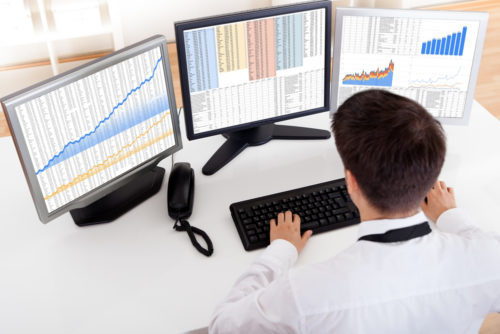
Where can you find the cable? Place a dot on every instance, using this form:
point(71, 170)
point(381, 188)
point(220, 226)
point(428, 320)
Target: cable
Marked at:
point(182, 225)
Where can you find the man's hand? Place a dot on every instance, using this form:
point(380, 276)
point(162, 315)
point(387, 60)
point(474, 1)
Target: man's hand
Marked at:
point(439, 199)
point(289, 230)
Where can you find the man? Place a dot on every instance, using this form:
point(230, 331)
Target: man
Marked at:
point(403, 275)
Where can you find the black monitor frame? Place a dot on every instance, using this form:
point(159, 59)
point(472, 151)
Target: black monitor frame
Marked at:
point(180, 27)
point(129, 181)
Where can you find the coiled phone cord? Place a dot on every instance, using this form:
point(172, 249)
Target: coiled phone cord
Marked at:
point(181, 225)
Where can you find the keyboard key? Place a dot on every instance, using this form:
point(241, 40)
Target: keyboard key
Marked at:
point(340, 202)
point(310, 225)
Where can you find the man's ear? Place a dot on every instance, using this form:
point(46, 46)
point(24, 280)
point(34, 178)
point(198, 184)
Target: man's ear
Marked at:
point(351, 182)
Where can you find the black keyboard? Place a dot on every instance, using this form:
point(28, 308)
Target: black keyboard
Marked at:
point(322, 207)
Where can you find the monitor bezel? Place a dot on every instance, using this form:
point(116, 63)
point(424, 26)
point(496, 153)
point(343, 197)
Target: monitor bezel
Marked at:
point(10, 102)
point(180, 27)
point(482, 17)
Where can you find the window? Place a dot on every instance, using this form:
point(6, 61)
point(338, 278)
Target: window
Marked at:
point(42, 32)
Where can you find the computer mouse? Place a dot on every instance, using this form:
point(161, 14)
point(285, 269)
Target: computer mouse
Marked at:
point(180, 193)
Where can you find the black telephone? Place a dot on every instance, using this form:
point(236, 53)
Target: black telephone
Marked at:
point(180, 204)
point(181, 191)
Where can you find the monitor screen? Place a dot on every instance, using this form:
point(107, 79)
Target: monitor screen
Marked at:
point(428, 56)
point(90, 126)
point(254, 67)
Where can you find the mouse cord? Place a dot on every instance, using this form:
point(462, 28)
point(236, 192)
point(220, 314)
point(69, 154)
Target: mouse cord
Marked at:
point(181, 225)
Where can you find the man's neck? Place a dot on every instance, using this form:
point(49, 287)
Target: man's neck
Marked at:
point(373, 214)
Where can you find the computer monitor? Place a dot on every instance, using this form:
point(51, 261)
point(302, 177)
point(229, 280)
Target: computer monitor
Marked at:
point(431, 57)
point(89, 139)
point(242, 72)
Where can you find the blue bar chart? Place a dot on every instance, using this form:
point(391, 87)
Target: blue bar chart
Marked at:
point(451, 45)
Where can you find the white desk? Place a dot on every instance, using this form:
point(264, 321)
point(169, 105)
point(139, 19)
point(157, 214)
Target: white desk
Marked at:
point(137, 275)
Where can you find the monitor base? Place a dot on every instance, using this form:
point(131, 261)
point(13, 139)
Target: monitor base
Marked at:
point(121, 200)
point(239, 140)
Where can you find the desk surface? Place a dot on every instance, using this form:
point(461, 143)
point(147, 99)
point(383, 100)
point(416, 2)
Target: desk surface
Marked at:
point(138, 275)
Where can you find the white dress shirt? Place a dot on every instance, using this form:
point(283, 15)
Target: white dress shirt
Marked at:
point(444, 282)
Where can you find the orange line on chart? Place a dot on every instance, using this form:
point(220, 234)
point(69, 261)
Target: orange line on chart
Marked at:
point(105, 164)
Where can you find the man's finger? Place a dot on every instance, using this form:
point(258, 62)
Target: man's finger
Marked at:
point(442, 185)
point(296, 219)
point(305, 237)
point(451, 191)
point(273, 225)
point(288, 216)
point(281, 218)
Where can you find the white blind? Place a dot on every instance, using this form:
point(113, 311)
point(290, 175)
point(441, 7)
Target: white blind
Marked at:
point(39, 30)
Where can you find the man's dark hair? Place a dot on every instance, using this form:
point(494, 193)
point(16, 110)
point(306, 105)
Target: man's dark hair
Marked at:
point(394, 148)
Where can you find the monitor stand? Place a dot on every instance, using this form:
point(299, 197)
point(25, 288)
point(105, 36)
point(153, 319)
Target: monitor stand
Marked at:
point(123, 199)
point(239, 140)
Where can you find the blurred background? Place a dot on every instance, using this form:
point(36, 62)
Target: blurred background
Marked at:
point(41, 38)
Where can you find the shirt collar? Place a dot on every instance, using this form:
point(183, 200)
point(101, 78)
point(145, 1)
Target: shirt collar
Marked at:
point(380, 226)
